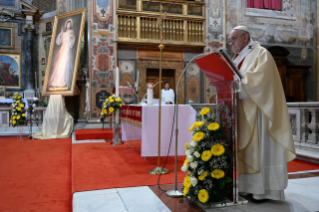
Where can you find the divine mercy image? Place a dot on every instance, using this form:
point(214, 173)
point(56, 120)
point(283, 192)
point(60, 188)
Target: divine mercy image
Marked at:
point(64, 54)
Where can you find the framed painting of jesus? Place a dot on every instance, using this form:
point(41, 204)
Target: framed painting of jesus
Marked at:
point(64, 56)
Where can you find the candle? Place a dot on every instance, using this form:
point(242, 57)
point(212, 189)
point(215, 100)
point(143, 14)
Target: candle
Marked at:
point(117, 81)
point(149, 94)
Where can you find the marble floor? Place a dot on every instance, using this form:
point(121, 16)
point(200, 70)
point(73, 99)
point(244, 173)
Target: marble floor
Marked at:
point(302, 195)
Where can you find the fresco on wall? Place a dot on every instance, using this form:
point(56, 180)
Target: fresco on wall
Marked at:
point(102, 64)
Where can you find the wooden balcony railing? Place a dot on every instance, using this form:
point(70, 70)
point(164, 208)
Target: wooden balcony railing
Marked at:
point(137, 22)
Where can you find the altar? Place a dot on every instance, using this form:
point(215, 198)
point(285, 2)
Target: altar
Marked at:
point(141, 123)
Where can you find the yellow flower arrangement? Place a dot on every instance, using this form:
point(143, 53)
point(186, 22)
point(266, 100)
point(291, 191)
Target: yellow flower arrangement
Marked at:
point(185, 162)
point(120, 105)
point(186, 146)
point(204, 111)
point(14, 122)
point(10, 121)
point(14, 117)
point(203, 196)
point(18, 101)
point(185, 191)
point(18, 117)
point(218, 150)
point(206, 155)
point(111, 109)
point(191, 128)
point(19, 108)
point(23, 114)
point(19, 97)
point(118, 100)
point(213, 126)
point(187, 182)
point(111, 100)
point(199, 123)
point(203, 175)
point(198, 136)
point(16, 93)
point(217, 173)
point(110, 97)
point(105, 111)
point(105, 103)
point(21, 105)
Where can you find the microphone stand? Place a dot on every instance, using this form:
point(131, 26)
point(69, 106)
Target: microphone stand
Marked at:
point(175, 192)
point(31, 110)
point(134, 91)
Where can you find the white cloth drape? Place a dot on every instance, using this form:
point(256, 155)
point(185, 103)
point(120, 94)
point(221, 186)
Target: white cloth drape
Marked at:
point(149, 131)
point(57, 122)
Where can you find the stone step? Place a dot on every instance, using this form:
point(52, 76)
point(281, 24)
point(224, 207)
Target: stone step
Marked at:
point(308, 155)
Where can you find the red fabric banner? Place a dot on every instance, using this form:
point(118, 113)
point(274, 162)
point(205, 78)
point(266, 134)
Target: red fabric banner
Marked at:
point(132, 113)
point(264, 4)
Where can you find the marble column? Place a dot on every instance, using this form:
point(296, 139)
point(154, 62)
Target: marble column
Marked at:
point(29, 91)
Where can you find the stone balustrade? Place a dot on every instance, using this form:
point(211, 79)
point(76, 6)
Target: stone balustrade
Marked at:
point(304, 119)
point(6, 128)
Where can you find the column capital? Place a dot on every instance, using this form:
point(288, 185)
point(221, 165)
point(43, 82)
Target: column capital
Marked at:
point(29, 26)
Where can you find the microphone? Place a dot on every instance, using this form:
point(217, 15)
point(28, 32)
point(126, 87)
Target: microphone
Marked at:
point(133, 91)
point(156, 84)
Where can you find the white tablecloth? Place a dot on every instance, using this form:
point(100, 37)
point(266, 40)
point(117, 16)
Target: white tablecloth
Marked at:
point(10, 101)
point(149, 131)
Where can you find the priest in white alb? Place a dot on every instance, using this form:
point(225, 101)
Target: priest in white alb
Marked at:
point(265, 143)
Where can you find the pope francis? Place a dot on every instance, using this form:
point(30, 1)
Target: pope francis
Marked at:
point(265, 143)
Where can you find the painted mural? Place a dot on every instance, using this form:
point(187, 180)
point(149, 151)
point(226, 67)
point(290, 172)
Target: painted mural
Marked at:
point(102, 63)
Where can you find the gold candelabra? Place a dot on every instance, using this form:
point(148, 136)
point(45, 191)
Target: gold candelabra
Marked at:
point(159, 170)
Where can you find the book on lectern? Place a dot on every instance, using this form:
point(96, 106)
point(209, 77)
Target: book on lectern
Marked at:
point(218, 67)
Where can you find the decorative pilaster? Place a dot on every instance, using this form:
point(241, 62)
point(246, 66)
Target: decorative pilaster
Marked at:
point(29, 28)
point(313, 126)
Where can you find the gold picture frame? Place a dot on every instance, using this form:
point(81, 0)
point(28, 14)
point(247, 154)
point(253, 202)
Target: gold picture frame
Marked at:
point(64, 56)
point(2, 92)
point(10, 70)
point(6, 37)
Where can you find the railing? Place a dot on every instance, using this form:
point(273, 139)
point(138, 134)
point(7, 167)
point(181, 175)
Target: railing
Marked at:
point(6, 128)
point(137, 22)
point(304, 119)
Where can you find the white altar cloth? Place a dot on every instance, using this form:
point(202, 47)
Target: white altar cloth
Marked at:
point(26, 105)
point(10, 101)
point(149, 131)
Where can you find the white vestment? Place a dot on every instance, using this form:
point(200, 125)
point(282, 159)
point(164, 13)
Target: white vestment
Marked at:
point(265, 143)
point(168, 96)
point(272, 179)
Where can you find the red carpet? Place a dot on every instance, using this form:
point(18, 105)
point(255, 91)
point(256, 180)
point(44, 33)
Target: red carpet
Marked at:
point(101, 166)
point(35, 175)
point(92, 134)
point(300, 165)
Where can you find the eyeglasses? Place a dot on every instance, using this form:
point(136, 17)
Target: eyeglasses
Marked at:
point(230, 41)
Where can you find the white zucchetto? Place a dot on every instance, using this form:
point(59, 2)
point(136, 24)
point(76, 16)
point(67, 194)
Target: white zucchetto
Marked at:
point(242, 28)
